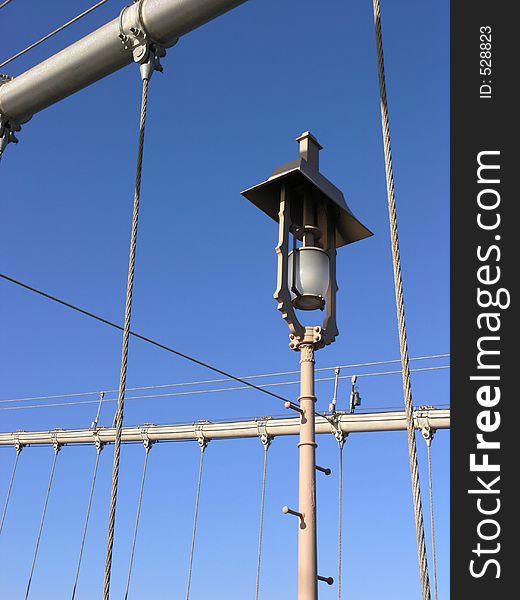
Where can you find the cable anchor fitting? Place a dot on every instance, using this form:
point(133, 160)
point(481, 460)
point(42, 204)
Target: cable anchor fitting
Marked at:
point(146, 51)
point(7, 126)
point(428, 434)
point(265, 438)
point(202, 440)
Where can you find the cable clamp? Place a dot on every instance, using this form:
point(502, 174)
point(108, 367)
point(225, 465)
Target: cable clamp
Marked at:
point(18, 446)
point(7, 129)
point(336, 430)
point(428, 434)
point(145, 50)
point(147, 442)
point(97, 441)
point(55, 444)
point(202, 440)
point(265, 438)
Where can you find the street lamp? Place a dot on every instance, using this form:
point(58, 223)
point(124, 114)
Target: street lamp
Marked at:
point(313, 221)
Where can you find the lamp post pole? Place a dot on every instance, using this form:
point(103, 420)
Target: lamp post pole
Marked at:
point(307, 540)
point(312, 210)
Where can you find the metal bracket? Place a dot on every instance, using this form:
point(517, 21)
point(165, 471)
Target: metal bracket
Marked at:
point(265, 438)
point(312, 336)
point(327, 580)
point(428, 434)
point(340, 435)
point(7, 126)
point(145, 50)
point(55, 444)
point(202, 440)
point(147, 442)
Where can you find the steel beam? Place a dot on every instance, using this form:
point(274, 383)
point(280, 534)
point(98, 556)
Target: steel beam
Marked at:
point(102, 53)
point(348, 423)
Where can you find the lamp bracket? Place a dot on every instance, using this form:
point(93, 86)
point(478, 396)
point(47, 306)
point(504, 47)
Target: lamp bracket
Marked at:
point(313, 336)
point(282, 294)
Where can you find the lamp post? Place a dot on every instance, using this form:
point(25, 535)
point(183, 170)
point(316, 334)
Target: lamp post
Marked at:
point(314, 220)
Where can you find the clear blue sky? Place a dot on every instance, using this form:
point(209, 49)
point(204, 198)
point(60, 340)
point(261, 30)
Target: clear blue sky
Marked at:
point(233, 97)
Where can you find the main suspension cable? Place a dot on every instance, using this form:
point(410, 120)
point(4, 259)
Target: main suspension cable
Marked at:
point(141, 337)
point(398, 285)
point(52, 33)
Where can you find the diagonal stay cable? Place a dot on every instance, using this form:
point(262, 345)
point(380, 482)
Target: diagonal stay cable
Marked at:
point(52, 33)
point(142, 337)
point(400, 309)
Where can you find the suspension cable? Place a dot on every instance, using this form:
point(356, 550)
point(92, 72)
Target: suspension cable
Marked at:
point(8, 496)
point(266, 442)
point(141, 337)
point(145, 76)
point(57, 448)
point(428, 434)
point(99, 447)
point(340, 438)
point(52, 33)
point(398, 284)
point(147, 447)
point(202, 444)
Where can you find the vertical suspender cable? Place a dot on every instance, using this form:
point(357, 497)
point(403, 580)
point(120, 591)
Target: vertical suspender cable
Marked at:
point(8, 496)
point(202, 444)
point(138, 514)
point(126, 336)
point(340, 515)
point(403, 343)
point(432, 521)
point(340, 438)
point(42, 521)
point(85, 528)
point(266, 441)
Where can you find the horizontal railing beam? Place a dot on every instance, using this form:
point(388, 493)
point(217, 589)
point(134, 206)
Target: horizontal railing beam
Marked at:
point(102, 52)
point(347, 423)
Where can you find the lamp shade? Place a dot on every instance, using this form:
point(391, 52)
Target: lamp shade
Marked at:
point(308, 277)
